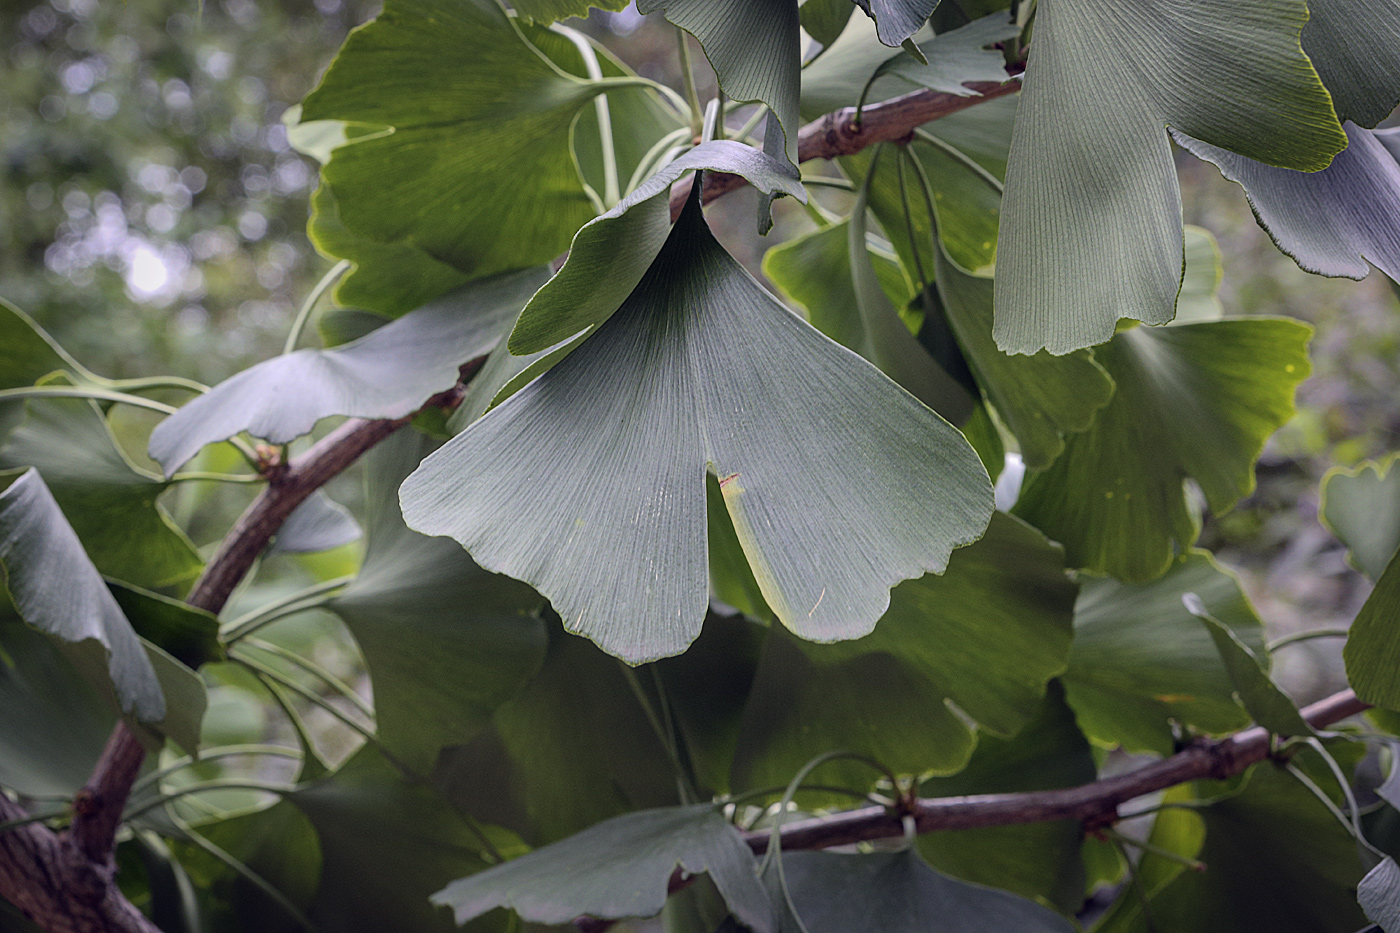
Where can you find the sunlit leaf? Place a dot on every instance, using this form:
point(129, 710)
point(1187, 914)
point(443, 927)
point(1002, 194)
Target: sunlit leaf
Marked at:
point(1198, 301)
point(445, 641)
point(984, 637)
point(1140, 660)
point(733, 383)
point(386, 374)
point(620, 868)
point(547, 11)
point(1196, 401)
point(1092, 229)
point(1362, 508)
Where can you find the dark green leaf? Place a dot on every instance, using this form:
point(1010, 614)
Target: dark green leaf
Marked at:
point(1140, 660)
point(189, 635)
point(983, 637)
point(111, 504)
point(897, 892)
point(1092, 228)
point(445, 641)
point(1270, 706)
point(897, 20)
point(385, 374)
point(547, 11)
point(1196, 401)
point(733, 382)
point(57, 590)
point(1362, 508)
point(612, 253)
point(1361, 76)
point(620, 868)
point(27, 354)
point(473, 106)
point(1372, 651)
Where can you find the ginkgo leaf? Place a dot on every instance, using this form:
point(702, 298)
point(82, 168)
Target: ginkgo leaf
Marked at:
point(1379, 894)
point(1004, 601)
point(1140, 660)
point(547, 11)
point(589, 482)
point(1372, 652)
point(897, 20)
point(57, 590)
point(386, 374)
point(824, 20)
point(1200, 282)
point(1196, 401)
point(956, 57)
point(472, 105)
point(620, 868)
point(1092, 229)
point(1361, 76)
point(445, 641)
point(1333, 222)
point(28, 354)
point(318, 524)
point(613, 252)
point(1362, 508)
point(111, 503)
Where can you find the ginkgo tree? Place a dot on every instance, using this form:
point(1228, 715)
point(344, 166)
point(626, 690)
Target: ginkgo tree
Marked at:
point(686, 601)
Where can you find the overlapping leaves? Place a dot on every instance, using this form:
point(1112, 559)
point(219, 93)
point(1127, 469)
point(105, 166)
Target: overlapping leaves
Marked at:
point(839, 484)
point(1093, 228)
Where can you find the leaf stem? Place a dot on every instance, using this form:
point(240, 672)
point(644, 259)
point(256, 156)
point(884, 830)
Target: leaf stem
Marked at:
point(247, 873)
point(611, 194)
point(315, 670)
point(241, 656)
point(1149, 848)
point(692, 95)
point(309, 305)
point(1286, 640)
point(102, 395)
point(683, 782)
point(316, 595)
point(226, 751)
point(217, 784)
point(197, 476)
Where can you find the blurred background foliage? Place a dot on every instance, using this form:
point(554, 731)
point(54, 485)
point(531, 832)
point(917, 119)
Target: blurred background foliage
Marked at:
point(153, 219)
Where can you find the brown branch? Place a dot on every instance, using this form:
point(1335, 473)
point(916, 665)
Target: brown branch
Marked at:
point(839, 133)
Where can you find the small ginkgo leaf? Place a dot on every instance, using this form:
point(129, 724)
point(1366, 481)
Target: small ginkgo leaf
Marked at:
point(589, 483)
point(620, 868)
point(318, 524)
point(1200, 282)
point(824, 20)
point(1339, 221)
point(897, 20)
point(57, 590)
point(956, 57)
point(612, 253)
point(388, 373)
point(1196, 401)
point(548, 11)
point(1092, 229)
point(1362, 508)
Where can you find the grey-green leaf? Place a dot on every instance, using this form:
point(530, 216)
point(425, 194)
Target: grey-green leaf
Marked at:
point(1362, 76)
point(620, 868)
point(1379, 894)
point(1092, 229)
point(1362, 508)
point(388, 373)
point(318, 524)
point(897, 20)
point(57, 590)
point(589, 482)
point(956, 57)
point(1372, 652)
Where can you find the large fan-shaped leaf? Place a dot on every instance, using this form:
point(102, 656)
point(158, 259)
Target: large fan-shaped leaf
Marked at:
point(897, 20)
point(612, 253)
point(386, 374)
point(473, 106)
point(57, 590)
point(547, 11)
point(1140, 660)
point(620, 868)
point(897, 892)
point(1196, 401)
point(111, 504)
point(1092, 228)
point(1379, 894)
point(1362, 508)
point(839, 483)
point(1038, 860)
point(445, 641)
point(983, 637)
point(1363, 77)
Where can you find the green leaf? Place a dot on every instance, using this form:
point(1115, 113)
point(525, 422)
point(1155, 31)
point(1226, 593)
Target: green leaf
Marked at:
point(1275, 857)
point(318, 524)
point(56, 589)
point(1092, 228)
point(1198, 303)
point(1361, 76)
point(1267, 704)
point(956, 57)
point(1039, 860)
point(620, 868)
point(1362, 508)
point(474, 107)
point(445, 641)
point(387, 842)
point(1333, 222)
point(28, 354)
point(1196, 401)
point(613, 252)
point(755, 50)
point(111, 504)
point(897, 892)
point(187, 634)
point(1372, 651)
point(1379, 894)
point(547, 11)
point(388, 373)
point(1140, 660)
point(185, 699)
point(724, 378)
point(984, 637)
point(825, 19)
point(897, 20)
